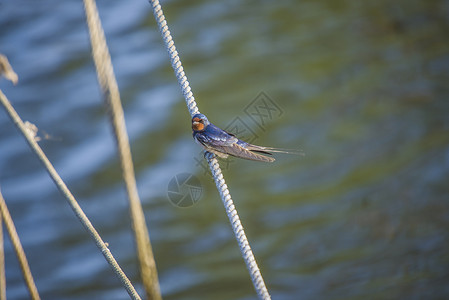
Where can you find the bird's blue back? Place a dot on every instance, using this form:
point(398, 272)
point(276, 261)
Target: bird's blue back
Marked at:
point(215, 136)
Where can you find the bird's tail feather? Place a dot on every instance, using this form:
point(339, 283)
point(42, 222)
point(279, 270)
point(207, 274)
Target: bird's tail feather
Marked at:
point(267, 150)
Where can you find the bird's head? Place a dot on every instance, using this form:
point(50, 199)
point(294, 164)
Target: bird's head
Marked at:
point(199, 122)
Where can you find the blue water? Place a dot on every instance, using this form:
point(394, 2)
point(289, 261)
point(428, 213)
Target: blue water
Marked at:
point(361, 88)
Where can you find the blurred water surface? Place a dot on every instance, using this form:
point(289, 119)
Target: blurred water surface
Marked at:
point(361, 87)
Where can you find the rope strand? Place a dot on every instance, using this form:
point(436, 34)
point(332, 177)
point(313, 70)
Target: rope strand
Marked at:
point(20, 253)
point(174, 58)
point(233, 216)
point(2, 264)
point(112, 100)
point(68, 195)
point(237, 227)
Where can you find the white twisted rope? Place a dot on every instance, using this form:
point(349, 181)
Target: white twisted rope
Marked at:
point(174, 57)
point(239, 232)
point(231, 211)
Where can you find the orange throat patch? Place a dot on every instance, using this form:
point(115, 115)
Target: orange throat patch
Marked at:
point(197, 126)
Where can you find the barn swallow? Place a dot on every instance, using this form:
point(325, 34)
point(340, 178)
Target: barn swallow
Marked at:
point(222, 143)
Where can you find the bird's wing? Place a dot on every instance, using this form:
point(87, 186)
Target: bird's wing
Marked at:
point(229, 146)
point(214, 139)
